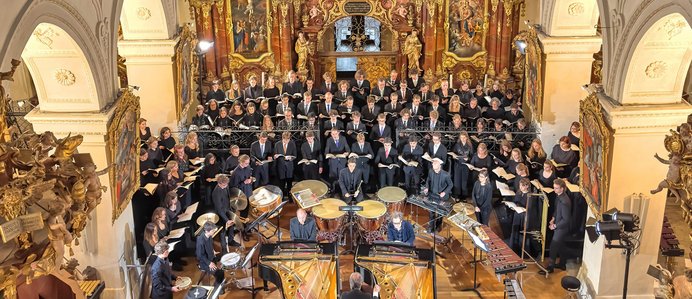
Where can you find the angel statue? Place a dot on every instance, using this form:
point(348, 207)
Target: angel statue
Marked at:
point(92, 184)
point(412, 49)
point(57, 230)
point(302, 48)
point(5, 76)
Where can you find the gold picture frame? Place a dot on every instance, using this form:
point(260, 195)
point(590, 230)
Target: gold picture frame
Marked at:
point(230, 27)
point(449, 56)
point(594, 154)
point(186, 65)
point(533, 74)
point(123, 146)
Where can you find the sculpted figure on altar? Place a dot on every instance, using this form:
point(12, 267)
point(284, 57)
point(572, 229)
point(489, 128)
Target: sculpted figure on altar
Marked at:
point(412, 50)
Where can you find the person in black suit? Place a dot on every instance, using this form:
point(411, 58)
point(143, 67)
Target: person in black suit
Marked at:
point(161, 276)
point(380, 130)
point(360, 88)
point(418, 109)
point(425, 93)
point(394, 107)
point(356, 283)
point(253, 91)
point(400, 230)
point(414, 82)
point(204, 251)
point(310, 150)
point(438, 187)
point(560, 224)
point(287, 123)
point(222, 207)
point(465, 94)
point(387, 157)
point(404, 93)
point(336, 145)
point(285, 153)
point(369, 113)
point(362, 148)
point(381, 90)
point(343, 92)
point(436, 149)
point(215, 93)
point(412, 152)
point(306, 106)
point(393, 81)
point(435, 106)
point(482, 197)
point(445, 93)
point(328, 85)
point(293, 85)
point(332, 123)
point(303, 227)
point(354, 127)
point(285, 105)
point(261, 150)
point(350, 180)
point(327, 106)
point(310, 87)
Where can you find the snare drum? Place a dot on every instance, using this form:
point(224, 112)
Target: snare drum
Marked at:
point(372, 216)
point(230, 260)
point(318, 188)
point(393, 198)
point(265, 199)
point(327, 215)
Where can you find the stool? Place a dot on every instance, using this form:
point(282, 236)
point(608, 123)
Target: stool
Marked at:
point(572, 285)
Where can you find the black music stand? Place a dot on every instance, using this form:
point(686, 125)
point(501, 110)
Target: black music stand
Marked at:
point(477, 244)
point(254, 226)
point(350, 209)
point(434, 253)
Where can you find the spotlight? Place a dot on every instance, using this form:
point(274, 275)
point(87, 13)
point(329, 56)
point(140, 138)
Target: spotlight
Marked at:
point(611, 230)
point(203, 46)
point(521, 45)
point(628, 220)
point(135, 87)
point(20, 103)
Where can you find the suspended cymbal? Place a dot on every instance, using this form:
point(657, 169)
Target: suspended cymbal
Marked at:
point(462, 207)
point(238, 199)
point(236, 219)
point(207, 217)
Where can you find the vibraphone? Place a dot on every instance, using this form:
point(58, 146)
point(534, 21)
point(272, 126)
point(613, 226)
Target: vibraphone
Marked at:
point(501, 257)
point(669, 242)
point(92, 288)
point(513, 289)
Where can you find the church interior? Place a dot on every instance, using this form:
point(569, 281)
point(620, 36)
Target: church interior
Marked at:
point(346, 149)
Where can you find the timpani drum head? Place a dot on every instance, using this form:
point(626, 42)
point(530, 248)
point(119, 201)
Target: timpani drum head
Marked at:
point(329, 208)
point(391, 194)
point(371, 209)
point(318, 188)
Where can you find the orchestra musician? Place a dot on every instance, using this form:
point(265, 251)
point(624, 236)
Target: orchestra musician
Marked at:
point(350, 179)
point(482, 197)
point(400, 230)
point(438, 187)
point(559, 223)
point(241, 178)
point(302, 227)
point(385, 160)
point(285, 153)
point(162, 277)
point(310, 150)
point(356, 283)
point(222, 206)
point(215, 93)
point(362, 148)
point(261, 150)
point(204, 251)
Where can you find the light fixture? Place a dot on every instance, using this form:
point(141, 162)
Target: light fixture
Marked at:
point(20, 103)
point(203, 46)
point(521, 45)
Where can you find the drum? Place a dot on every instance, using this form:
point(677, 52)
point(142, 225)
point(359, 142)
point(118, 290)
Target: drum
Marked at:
point(230, 260)
point(327, 215)
point(393, 198)
point(372, 216)
point(183, 282)
point(265, 199)
point(318, 188)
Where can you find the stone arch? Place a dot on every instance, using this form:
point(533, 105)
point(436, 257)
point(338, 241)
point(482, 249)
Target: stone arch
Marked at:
point(148, 19)
point(569, 17)
point(658, 61)
point(83, 40)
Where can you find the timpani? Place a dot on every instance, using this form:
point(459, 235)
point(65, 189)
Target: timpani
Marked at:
point(372, 216)
point(393, 198)
point(327, 215)
point(265, 199)
point(318, 188)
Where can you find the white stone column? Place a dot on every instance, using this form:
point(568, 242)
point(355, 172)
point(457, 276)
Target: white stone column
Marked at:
point(639, 132)
point(150, 66)
point(567, 66)
point(104, 245)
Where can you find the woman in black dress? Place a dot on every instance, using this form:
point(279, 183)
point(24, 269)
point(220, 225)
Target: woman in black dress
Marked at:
point(213, 110)
point(151, 237)
point(536, 157)
point(252, 118)
point(482, 197)
point(479, 95)
point(211, 168)
point(144, 131)
point(574, 133)
point(192, 149)
point(564, 157)
point(514, 160)
point(464, 149)
point(237, 114)
point(223, 121)
point(481, 160)
point(166, 184)
point(271, 92)
point(146, 175)
point(166, 140)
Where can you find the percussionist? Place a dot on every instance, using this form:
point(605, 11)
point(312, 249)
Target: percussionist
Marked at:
point(303, 227)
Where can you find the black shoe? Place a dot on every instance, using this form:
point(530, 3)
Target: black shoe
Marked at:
point(233, 243)
point(561, 267)
point(177, 267)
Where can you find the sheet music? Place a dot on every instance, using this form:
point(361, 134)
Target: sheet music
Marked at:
point(504, 189)
point(514, 207)
point(176, 233)
point(187, 215)
point(306, 198)
point(171, 246)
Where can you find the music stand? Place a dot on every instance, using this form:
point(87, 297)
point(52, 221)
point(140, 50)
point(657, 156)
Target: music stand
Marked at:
point(477, 244)
point(248, 257)
point(350, 209)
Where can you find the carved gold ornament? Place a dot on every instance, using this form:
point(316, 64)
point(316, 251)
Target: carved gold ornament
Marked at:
point(64, 77)
point(143, 13)
point(656, 69)
point(575, 9)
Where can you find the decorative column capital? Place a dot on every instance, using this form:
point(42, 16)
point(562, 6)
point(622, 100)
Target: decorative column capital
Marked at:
point(647, 119)
point(147, 52)
point(570, 48)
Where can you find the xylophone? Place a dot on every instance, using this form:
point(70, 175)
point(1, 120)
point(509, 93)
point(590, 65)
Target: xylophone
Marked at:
point(502, 258)
point(513, 289)
point(92, 288)
point(669, 242)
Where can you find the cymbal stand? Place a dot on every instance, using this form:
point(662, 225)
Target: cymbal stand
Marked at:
point(350, 225)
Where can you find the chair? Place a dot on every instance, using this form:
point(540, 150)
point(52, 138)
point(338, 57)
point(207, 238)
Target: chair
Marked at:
point(572, 285)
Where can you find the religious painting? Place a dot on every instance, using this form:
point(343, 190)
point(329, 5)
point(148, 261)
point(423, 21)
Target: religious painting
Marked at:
point(185, 65)
point(250, 27)
point(123, 144)
point(594, 154)
point(466, 32)
point(533, 95)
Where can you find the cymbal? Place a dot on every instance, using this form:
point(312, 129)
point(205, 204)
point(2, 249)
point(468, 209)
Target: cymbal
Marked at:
point(236, 219)
point(462, 207)
point(238, 199)
point(207, 217)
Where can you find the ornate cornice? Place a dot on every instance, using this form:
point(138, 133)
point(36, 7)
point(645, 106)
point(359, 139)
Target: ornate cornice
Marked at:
point(586, 45)
point(643, 118)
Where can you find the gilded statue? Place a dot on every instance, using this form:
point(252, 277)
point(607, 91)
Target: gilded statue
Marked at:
point(302, 48)
point(58, 234)
point(92, 184)
point(412, 50)
point(5, 76)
